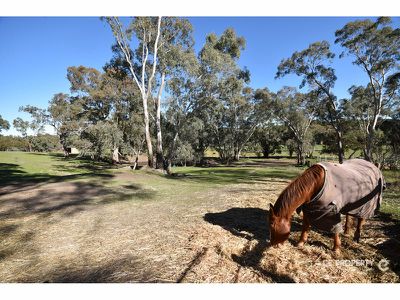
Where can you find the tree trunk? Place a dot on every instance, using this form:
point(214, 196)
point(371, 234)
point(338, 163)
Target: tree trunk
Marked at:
point(301, 160)
point(351, 155)
point(115, 156)
point(369, 145)
point(66, 153)
point(340, 146)
point(150, 158)
point(159, 150)
point(237, 155)
point(266, 151)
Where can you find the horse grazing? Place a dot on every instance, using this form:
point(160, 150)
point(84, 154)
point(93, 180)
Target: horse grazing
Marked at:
point(324, 192)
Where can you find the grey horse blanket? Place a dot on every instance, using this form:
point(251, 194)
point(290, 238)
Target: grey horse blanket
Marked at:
point(352, 188)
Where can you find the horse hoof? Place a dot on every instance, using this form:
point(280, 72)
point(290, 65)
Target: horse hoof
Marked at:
point(356, 238)
point(336, 251)
point(300, 244)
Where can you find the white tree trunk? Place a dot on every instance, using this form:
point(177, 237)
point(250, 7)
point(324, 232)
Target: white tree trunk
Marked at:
point(159, 154)
point(115, 156)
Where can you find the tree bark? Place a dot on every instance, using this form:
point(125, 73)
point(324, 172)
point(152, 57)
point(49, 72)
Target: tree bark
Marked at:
point(150, 157)
point(115, 156)
point(66, 153)
point(237, 154)
point(266, 150)
point(301, 160)
point(159, 150)
point(340, 146)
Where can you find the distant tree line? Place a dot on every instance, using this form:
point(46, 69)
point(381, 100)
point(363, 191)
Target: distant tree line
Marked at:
point(157, 96)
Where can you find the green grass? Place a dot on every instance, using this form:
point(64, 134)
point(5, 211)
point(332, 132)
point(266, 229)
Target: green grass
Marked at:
point(234, 175)
point(391, 196)
point(23, 167)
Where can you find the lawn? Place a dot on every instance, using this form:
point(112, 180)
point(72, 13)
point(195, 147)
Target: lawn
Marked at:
point(72, 220)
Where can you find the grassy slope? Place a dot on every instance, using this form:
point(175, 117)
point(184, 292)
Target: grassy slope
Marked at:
point(22, 167)
point(82, 235)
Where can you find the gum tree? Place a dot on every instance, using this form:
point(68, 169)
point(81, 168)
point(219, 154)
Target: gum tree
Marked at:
point(375, 47)
point(313, 66)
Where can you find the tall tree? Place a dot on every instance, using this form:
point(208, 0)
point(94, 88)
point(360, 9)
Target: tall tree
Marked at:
point(4, 124)
point(147, 30)
point(270, 137)
point(313, 66)
point(175, 56)
point(109, 111)
point(376, 49)
point(64, 116)
point(225, 105)
point(22, 127)
point(297, 111)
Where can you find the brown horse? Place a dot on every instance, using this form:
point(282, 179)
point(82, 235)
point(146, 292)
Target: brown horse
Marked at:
point(306, 190)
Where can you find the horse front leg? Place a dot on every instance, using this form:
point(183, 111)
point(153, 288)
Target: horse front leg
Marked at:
point(304, 231)
point(348, 224)
point(357, 234)
point(336, 243)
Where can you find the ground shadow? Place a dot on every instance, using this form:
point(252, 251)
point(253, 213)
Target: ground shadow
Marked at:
point(390, 249)
point(234, 175)
point(14, 179)
point(69, 199)
point(122, 270)
point(250, 223)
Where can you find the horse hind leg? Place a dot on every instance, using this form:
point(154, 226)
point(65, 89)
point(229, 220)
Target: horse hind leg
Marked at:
point(357, 234)
point(347, 225)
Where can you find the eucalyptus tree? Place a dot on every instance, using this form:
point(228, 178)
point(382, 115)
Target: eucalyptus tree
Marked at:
point(4, 124)
point(375, 47)
point(297, 111)
point(181, 125)
point(270, 137)
point(162, 43)
point(64, 116)
point(225, 105)
point(109, 111)
point(147, 32)
point(22, 127)
point(313, 65)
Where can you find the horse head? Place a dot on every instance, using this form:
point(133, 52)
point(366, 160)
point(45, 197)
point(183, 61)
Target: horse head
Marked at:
point(279, 227)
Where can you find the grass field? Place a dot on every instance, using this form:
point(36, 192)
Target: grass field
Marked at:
point(72, 220)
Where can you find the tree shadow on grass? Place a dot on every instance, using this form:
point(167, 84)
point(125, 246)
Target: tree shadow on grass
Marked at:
point(235, 175)
point(14, 179)
point(69, 199)
point(115, 269)
point(249, 223)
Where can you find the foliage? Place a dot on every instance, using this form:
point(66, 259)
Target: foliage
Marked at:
point(4, 124)
point(375, 47)
point(313, 66)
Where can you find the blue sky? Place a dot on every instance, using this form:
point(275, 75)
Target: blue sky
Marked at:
point(36, 51)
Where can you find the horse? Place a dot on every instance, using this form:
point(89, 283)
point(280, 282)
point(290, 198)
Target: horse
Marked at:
point(324, 192)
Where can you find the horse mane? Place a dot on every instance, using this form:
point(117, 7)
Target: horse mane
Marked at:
point(300, 190)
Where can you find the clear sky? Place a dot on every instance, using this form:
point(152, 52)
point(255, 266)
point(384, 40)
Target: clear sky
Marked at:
point(36, 51)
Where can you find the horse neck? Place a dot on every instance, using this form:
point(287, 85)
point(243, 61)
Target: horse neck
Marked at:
point(287, 203)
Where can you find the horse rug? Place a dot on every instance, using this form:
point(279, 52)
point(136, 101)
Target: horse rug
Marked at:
point(352, 188)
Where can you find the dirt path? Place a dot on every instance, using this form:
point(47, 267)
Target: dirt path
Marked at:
point(79, 232)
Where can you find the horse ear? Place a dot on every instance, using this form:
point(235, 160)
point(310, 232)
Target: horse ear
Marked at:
point(271, 209)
